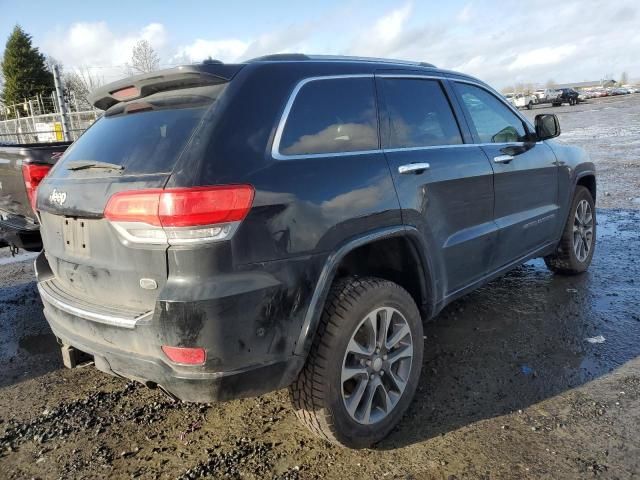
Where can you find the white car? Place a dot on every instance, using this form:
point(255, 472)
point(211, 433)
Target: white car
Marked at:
point(521, 100)
point(546, 95)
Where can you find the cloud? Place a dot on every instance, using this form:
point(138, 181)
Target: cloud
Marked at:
point(289, 39)
point(383, 36)
point(542, 56)
point(466, 14)
point(505, 44)
point(95, 45)
point(227, 50)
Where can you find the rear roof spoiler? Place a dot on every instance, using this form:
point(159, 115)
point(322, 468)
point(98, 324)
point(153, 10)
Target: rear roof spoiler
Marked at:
point(139, 86)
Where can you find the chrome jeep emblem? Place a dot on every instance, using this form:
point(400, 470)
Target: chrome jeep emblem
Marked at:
point(57, 197)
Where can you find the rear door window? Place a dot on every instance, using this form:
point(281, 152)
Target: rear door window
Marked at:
point(418, 114)
point(336, 115)
point(492, 120)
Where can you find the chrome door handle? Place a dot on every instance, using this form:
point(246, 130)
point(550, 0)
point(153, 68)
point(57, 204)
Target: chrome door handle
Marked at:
point(503, 158)
point(413, 168)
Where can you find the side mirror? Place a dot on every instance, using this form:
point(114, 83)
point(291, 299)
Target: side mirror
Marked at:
point(547, 126)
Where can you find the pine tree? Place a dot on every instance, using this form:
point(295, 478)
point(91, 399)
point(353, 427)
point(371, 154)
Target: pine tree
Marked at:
point(24, 70)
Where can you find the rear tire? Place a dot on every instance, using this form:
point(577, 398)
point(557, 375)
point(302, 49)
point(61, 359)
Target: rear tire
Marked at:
point(575, 250)
point(530, 106)
point(358, 382)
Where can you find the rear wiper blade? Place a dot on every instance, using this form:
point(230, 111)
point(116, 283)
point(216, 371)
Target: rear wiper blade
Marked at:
point(83, 165)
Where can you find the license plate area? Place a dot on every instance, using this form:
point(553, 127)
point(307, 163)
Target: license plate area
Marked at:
point(75, 235)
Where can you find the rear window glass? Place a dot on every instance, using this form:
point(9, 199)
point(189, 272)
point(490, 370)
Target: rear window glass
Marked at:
point(332, 116)
point(143, 141)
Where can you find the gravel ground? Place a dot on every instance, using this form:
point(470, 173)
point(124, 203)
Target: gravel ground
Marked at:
point(511, 388)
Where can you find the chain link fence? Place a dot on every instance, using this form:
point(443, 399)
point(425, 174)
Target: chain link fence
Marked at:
point(45, 128)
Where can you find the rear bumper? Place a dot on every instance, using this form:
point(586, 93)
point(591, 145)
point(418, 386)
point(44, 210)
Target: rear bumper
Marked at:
point(191, 384)
point(240, 363)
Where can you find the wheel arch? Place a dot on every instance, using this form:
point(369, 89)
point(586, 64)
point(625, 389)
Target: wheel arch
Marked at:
point(341, 261)
point(587, 180)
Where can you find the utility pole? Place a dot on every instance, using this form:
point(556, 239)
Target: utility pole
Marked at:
point(64, 111)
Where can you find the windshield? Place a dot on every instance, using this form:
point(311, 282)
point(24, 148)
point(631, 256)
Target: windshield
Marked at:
point(143, 137)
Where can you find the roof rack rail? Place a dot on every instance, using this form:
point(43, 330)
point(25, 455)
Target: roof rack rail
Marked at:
point(283, 57)
point(370, 59)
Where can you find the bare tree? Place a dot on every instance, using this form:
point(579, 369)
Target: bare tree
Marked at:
point(79, 84)
point(144, 58)
point(551, 83)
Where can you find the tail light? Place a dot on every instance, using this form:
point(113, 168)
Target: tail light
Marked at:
point(179, 216)
point(33, 174)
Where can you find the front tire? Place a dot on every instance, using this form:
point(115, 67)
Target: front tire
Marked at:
point(578, 242)
point(530, 106)
point(363, 368)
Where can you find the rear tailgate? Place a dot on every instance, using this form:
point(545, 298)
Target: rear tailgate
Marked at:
point(133, 147)
point(15, 208)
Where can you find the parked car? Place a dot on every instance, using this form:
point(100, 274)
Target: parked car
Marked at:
point(567, 95)
point(546, 95)
point(522, 100)
point(22, 168)
point(584, 95)
point(216, 242)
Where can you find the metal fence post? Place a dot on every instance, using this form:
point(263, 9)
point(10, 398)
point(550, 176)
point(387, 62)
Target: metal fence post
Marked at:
point(64, 111)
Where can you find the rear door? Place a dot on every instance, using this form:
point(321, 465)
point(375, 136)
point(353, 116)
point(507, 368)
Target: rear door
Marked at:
point(134, 146)
point(525, 173)
point(445, 186)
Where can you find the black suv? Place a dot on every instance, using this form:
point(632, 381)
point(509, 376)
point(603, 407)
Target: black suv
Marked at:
point(567, 95)
point(227, 230)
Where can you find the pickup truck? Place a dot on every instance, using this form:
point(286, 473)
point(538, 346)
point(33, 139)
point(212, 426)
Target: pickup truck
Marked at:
point(22, 168)
point(522, 100)
point(547, 95)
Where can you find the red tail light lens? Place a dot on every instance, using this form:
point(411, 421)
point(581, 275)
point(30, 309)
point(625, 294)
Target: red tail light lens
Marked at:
point(185, 355)
point(205, 206)
point(33, 174)
point(134, 206)
point(179, 215)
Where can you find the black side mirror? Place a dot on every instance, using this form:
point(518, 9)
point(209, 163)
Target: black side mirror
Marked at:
point(547, 126)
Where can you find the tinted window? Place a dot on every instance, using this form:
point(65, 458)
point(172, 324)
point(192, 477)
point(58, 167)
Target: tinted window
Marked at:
point(145, 136)
point(494, 122)
point(419, 114)
point(331, 116)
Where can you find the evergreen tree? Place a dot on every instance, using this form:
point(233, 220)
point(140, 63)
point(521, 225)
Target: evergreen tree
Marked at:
point(24, 69)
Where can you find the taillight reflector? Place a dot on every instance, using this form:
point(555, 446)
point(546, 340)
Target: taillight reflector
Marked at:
point(185, 355)
point(33, 174)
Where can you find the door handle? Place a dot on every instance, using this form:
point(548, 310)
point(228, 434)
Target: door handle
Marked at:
point(503, 158)
point(413, 168)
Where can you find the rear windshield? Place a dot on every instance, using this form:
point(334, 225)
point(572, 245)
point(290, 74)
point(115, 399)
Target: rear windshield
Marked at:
point(145, 136)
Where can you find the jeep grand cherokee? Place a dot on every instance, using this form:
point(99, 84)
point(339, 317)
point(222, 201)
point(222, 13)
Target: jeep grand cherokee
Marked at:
point(227, 230)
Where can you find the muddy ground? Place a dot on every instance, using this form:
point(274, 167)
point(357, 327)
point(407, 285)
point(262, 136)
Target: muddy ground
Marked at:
point(510, 388)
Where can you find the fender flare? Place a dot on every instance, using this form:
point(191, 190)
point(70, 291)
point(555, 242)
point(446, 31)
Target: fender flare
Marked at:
point(328, 273)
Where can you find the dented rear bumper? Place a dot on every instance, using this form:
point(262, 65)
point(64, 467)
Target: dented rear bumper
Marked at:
point(241, 360)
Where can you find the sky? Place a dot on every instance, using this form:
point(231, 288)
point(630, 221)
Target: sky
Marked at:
point(502, 42)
